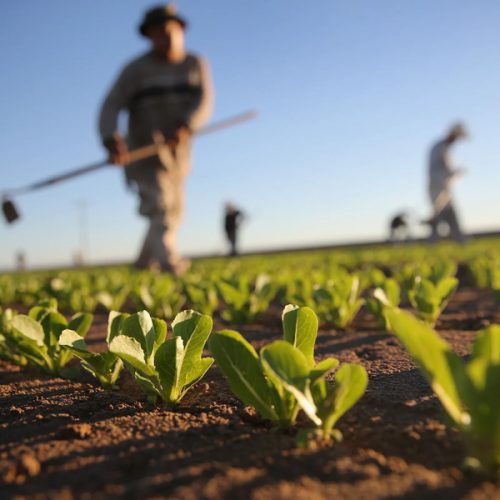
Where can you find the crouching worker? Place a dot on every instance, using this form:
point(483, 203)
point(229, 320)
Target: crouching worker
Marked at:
point(166, 91)
point(399, 227)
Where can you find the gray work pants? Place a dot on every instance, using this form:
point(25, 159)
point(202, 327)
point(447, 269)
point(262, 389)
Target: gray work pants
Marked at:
point(449, 217)
point(160, 185)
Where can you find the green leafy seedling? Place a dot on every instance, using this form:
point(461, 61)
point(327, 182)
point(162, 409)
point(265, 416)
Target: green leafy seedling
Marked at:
point(323, 402)
point(469, 391)
point(38, 336)
point(298, 290)
point(244, 302)
point(161, 296)
point(164, 368)
point(441, 269)
point(388, 292)
point(285, 377)
point(105, 366)
point(8, 340)
point(247, 374)
point(429, 299)
point(203, 297)
point(339, 300)
point(113, 300)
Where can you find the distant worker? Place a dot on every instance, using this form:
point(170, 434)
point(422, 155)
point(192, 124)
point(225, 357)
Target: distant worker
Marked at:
point(442, 174)
point(169, 91)
point(20, 260)
point(232, 221)
point(399, 227)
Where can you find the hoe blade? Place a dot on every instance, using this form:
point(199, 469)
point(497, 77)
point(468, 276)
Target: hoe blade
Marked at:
point(10, 211)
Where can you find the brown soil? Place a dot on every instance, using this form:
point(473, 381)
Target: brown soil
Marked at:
point(70, 439)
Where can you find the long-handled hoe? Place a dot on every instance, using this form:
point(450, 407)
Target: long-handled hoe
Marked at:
point(11, 213)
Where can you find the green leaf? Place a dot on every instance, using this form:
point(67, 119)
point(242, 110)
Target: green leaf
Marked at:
point(392, 291)
point(106, 299)
point(300, 328)
point(484, 372)
point(80, 323)
point(104, 366)
point(285, 361)
point(148, 385)
point(321, 294)
point(239, 363)
point(288, 364)
point(323, 368)
point(53, 323)
point(29, 328)
point(232, 295)
point(445, 288)
point(146, 297)
point(381, 296)
point(160, 328)
point(194, 329)
point(487, 345)
point(168, 363)
point(115, 320)
point(350, 384)
point(71, 339)
point(31, 342)
point(139, 326)
point(178, 360)
point(130, 350)
point(442, 368)
point(198, 373)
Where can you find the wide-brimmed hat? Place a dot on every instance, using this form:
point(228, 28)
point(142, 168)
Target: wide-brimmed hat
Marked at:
point(158, 15)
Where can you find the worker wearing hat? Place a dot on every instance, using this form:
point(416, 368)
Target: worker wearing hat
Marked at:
point(442, 174)
point(166, 91)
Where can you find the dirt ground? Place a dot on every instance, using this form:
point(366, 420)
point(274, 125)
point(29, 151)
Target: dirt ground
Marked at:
point(64, 439)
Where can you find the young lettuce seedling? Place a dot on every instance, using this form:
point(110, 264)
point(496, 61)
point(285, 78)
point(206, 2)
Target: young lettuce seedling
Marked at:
point(75, 294)
point(161, 296)
point(339, 300)
point(285, 377)
point(484, 271)
point(388, 292)
point(113, 299)
point(165, 368)
point(371, 278)
point(469, 391)
point(202, 296)
point(429, 299)
point(242, 302)
point(441, 269)
point(38, 336)
point(8, 340)
point(105, 366)
point(297, 291)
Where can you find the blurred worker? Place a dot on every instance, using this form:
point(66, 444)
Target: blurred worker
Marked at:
point(232, 221)
point(442, 174)
point(169, 91)
point(399, 227)
point(20, 260)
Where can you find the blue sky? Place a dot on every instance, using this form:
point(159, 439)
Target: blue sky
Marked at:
point(351, 94)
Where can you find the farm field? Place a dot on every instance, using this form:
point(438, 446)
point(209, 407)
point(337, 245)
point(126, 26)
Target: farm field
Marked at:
point(70, 438)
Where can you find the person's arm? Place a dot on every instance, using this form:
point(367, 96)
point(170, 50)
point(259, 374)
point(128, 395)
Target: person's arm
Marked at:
point(451, 172)
point(203, 107)
point(115, 101)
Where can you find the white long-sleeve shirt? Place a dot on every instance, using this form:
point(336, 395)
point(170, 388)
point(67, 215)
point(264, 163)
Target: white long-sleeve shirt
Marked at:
point(441, 170)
